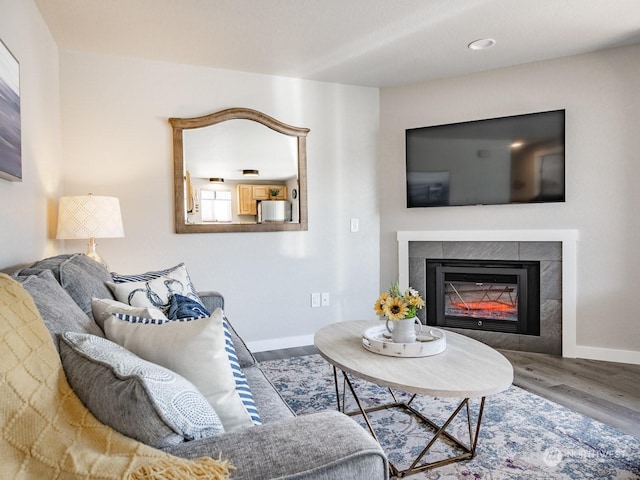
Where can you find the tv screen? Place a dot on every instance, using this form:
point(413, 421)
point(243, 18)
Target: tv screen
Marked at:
point(517, 159)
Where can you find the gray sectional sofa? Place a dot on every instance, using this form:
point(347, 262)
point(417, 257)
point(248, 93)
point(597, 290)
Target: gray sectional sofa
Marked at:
point(323, 445)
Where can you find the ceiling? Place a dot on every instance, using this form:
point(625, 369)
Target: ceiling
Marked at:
point(376, 43)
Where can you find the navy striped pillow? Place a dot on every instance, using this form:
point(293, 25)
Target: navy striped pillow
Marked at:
point(143, 277)
point(242, 386)
point(148, 321)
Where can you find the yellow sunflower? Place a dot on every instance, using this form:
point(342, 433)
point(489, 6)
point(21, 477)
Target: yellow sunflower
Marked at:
point(379, 306)
point(395, 308)
point(416, 300)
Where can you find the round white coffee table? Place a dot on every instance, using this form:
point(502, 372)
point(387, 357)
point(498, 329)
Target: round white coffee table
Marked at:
point(466, 369)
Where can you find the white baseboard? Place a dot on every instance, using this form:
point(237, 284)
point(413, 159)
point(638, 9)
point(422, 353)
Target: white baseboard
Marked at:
point(607, 354)
point(280, 343)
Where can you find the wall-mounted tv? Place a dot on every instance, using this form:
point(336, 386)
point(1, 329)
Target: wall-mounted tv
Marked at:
point(516, 159)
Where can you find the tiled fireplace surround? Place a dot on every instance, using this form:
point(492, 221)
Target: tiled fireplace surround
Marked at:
point(544, 246)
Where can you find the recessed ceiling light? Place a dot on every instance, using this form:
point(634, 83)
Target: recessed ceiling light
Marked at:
point(482, 44)
point(250, 173)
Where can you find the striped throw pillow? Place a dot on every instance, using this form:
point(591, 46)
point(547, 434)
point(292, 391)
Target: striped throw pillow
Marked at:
point(242, 386)
point(143, 277)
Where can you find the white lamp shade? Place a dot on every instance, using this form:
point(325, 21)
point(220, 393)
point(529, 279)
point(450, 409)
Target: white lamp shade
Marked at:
point(89, 216)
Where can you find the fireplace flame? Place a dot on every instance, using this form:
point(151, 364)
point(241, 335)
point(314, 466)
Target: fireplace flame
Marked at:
point(487, 305)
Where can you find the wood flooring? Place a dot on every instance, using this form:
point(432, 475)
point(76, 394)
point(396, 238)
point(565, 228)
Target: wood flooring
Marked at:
point(606, 391)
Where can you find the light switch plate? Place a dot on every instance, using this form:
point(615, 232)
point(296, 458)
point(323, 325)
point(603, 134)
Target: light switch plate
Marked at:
point(315, 300)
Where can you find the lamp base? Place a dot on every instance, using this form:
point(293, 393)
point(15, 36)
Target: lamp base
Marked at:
point(92, 253)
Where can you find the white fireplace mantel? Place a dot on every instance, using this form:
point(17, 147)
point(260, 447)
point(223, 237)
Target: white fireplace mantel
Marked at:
point(569, 239)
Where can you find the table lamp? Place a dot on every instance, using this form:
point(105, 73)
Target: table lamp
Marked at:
point(89, 216)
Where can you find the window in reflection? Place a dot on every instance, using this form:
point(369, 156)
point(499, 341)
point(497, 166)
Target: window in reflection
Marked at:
point(215, 206)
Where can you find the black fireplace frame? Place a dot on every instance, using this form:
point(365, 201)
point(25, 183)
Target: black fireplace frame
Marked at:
point(527, 274)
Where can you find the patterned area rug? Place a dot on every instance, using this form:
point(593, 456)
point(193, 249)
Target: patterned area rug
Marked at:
point(522, 436)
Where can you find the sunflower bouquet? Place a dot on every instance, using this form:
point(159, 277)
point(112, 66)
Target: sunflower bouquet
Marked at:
point(396, 305)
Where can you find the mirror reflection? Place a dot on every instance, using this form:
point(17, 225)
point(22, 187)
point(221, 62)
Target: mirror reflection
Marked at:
point(239, 170)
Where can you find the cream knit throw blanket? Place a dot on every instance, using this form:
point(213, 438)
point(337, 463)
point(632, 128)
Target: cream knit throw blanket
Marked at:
point(47, 433)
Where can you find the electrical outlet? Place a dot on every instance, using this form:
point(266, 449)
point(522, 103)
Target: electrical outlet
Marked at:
point(315, 300)
point(324, 299)
point(355, 225)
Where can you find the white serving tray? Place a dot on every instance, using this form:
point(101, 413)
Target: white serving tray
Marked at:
point(378, 340)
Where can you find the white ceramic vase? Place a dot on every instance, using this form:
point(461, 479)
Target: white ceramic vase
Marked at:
point(405, 330)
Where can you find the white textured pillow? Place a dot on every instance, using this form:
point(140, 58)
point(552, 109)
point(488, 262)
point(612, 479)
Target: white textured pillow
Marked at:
point(103, 308)
point(156, 292)
point(193, 348)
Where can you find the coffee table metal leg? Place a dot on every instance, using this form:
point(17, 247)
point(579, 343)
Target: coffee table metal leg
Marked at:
point(469, 450)
point(360, 406)
point(335, 381)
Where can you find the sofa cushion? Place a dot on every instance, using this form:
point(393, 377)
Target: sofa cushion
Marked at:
point(103, 308)
point(325, 445)
point(58, 310)
point(82, 277)
point(156, 292)
point(196, 349)
point(139, 399)
point(270, 404)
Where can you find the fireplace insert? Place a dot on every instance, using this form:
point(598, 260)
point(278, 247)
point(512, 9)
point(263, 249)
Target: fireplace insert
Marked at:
point(500, 296)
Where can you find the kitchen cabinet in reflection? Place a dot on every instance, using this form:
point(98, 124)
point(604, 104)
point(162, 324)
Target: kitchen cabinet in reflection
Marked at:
point(250, 195)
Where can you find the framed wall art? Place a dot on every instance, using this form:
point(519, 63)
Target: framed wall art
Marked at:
point(10, 131)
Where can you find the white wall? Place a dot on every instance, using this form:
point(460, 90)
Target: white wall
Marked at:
point(117, 141)
point(602, 100)
point(27, 208)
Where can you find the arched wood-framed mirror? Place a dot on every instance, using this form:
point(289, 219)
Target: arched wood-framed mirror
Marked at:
point(212, 156)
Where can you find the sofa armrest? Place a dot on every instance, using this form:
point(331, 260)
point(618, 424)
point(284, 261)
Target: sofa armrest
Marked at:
point(212, 300)
point(321, 446)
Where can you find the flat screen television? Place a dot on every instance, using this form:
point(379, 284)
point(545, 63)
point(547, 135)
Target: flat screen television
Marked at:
point(516, 159)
